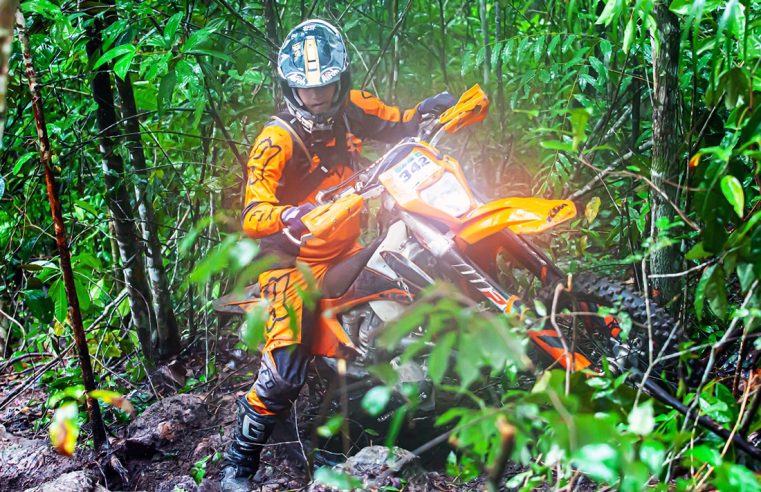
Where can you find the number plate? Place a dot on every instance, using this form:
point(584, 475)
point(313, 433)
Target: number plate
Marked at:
point(414, 170)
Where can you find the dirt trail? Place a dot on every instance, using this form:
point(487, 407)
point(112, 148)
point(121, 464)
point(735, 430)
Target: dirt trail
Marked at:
point(174, 438)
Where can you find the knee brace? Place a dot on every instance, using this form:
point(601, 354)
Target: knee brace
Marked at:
point(281, 375)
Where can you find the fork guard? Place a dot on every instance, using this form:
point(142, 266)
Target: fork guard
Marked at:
point(521, 215)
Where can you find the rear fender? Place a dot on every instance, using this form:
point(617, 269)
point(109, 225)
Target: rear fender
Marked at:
point(521, 215)
point(239, 302)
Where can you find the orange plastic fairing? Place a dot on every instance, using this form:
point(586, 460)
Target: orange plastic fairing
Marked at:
point(331, 340)
point(336, 221)
point(549, 341)
point(472, 107)
point(521, 215)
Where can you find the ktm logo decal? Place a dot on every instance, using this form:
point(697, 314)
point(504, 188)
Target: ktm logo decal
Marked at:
point(555, 210)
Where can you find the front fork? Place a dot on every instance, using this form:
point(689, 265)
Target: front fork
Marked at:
point(469, 276)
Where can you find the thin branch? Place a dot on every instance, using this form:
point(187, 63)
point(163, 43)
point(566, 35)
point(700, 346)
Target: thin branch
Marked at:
point(32, 379)
point(246, 23)
point(683, 273)
point(397, 26)
point(610, 168)
point(652, 185)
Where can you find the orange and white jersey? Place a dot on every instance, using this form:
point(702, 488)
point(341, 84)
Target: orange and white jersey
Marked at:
point(281, 175)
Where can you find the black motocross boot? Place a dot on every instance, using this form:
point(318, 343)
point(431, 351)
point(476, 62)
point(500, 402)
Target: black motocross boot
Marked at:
point(241, 460)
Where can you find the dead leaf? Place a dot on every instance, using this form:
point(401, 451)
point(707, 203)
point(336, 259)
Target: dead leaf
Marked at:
point(165, 431)
point(116, 400)
point(592, 209)
point(695, 161)
point(64, 429)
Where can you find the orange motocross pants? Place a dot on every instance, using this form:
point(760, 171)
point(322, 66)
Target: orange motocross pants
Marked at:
point(287, 334)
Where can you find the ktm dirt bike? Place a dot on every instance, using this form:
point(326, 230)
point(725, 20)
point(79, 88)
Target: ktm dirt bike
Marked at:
point(434, 227)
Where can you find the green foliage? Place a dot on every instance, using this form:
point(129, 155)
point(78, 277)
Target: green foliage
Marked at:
point(573, 77)
point(375, 400)
point(331, 427)
point(198, 470)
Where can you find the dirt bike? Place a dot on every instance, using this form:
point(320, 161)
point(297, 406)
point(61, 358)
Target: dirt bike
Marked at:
point(435, 227)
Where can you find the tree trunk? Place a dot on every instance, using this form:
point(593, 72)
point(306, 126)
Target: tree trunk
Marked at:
point(272, 23)
point(394, 72)
point(443, 52)
point(666, 141)
point(7, 11)
point(498, 35)
point(117, 199)
point(166, 323)
point(636, 103)
point(485, 38)
point(75, 315)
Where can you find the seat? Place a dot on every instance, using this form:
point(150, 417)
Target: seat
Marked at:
point(340, 276)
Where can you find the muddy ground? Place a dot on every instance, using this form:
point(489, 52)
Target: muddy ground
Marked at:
point(161, 448)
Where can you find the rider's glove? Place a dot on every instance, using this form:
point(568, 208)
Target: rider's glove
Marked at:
point(436, 105)
point(291, 218)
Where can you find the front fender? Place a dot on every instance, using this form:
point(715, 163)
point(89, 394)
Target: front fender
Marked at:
point(521, 215)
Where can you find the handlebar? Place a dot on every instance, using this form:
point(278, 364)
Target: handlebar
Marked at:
point(364, 181)
point(471, 108)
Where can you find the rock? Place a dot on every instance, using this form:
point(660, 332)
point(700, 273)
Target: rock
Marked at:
point(27, 462)
point(173, 375)
point(207, 446)
point(178, 484)
point(186, 483)
point(76, 481)
point(165, 421)
point(377, 467)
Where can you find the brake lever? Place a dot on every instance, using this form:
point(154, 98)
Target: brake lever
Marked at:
point(298, 242)
point(428, 126)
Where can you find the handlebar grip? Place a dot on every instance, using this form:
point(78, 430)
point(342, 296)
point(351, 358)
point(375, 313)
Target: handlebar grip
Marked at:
point(326, 219)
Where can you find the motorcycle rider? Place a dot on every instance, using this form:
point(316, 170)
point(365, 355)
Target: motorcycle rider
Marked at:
point(314, 145)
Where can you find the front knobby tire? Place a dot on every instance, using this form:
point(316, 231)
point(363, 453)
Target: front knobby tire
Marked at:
point(650, 323)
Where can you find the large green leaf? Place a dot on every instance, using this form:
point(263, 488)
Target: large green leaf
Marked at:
point(733, 192)
point(170, 28)
point(375, 400)
point(58, 294)
point(685, 7)
point(629, 33)
point(579, 119)
point(336, 479)
point(166, 88)
point(611, 11)
point(653, 453)
point(716, 294)
point(122, 49)
point(599, 461)
point(700, 290)
point(641, 419)
point(438, 361)
point(737, 87)
point(121, 67)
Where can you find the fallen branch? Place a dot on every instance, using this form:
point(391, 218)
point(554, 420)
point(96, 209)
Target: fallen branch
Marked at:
point(610, 168)
point(507, 442)
point(33, 378)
